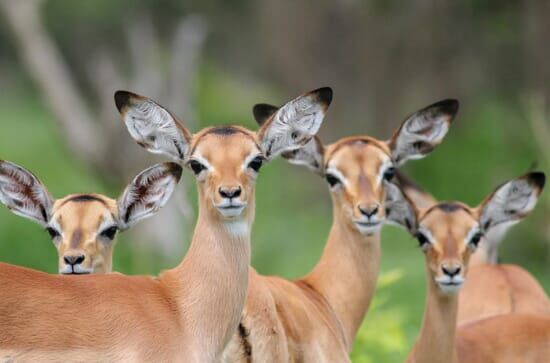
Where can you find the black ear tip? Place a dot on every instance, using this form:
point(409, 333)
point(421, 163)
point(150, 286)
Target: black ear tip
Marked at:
point(538, 178)
point(262, 111)
point(122, 99)
point(449, 106)
point(175, 169)
point(324, 94)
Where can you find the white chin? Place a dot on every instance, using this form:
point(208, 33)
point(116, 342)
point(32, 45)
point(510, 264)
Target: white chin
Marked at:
point(67, 270)
point(231, 212)
point(449, 289)
point(368, 229)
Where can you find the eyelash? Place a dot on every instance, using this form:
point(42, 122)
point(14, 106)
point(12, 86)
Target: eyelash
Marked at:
point(332, 180)
point(109, 233)
point(256, 163)
point(196, 166)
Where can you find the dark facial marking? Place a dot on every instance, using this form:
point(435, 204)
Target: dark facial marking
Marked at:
point(223, 130)
point(76, 237)
point(84, 198)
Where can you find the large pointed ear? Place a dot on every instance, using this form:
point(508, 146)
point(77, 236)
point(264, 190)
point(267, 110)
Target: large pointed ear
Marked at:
point(153, 126)
point(512, 201)
point(147, 193)
point(421, 198)
point(421, 132)
point(24, 194)
point(263, 111)
point(295, 123)
point(400, 209)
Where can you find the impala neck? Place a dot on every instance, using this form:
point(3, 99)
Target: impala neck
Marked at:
point(213, 280)
point(347, 272)
point(436, 343)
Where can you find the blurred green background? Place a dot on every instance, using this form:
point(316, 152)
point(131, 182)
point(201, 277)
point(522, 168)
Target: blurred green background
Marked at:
point(210, 61)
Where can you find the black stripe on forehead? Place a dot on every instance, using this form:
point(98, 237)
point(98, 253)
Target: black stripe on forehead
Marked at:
point(449, 207)
point(84, 198)
point(359, 140)
point(223, 130)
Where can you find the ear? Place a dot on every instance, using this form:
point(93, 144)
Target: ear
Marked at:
point(153, 126)
point(310, 155)
point(421, 198)
point(512, 201)
point(24, 194)
point(147, 193)
point(295, 123)
point(400, 209)
point(421, 132)
point(262, 112)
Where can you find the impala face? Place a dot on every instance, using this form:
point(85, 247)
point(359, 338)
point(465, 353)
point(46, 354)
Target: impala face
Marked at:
point(83, 227)
point(224, 159)
point(358, 168)
point(226, 179)
point(449, 232)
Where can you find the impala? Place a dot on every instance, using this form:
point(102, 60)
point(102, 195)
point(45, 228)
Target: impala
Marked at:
point(315, 318)
point(492, 289)
point(448, 233)
point(187, 313)
point(82, 227)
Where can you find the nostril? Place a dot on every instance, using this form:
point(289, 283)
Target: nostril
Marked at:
point(451, 271)
point(74, 259)
point(230, 192)
point(369, 211)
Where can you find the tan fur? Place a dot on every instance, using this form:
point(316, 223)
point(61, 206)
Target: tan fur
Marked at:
point(315, 319)
point(503, 338)
point(112, 317)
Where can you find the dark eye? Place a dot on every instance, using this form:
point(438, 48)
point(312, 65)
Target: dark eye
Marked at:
point(196, 166)
point(475, 239)
point(332, 180)
point(52, 232)
point(256, 164)
point(389, 173)
point(109, 233)
point(422, 240)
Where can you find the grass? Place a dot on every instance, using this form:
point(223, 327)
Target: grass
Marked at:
point(293, 206)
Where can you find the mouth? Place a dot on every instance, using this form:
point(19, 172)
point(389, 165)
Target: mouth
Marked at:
point(231, 210)
point(368, 227)
point(450, 287)
point(75, 273)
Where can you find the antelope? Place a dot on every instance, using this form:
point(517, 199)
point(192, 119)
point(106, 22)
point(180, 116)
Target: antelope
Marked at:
point(315, 318)
point(492, 289)
point(187, 313)
point(82, 227)
point(448, 233)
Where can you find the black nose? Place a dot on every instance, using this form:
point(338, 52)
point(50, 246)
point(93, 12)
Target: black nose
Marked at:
point(73, 259)
point(368, 210)
point(230, 192)
point(451, 271)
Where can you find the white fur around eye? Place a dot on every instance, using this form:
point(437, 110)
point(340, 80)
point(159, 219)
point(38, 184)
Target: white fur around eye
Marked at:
point(387, 163)
point(340, 177)
point(472, 232)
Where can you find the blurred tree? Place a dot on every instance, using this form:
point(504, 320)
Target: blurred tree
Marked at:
point(104, 144)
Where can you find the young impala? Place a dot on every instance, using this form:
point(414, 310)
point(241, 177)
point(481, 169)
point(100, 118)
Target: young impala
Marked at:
point(82, 227)
point(448, 233)
point(187, 313)
point(492, 289)
point(315, 318)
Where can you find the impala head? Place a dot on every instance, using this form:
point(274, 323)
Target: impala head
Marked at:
point(356, 168)
point(225, 159)
point(83, 227)
point(449, 232)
